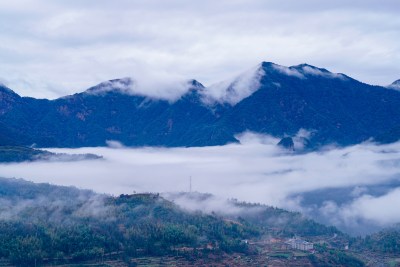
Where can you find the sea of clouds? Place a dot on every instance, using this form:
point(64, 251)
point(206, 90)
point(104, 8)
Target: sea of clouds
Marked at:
point(356, 188)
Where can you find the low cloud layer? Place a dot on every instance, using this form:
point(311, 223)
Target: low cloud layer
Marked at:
point(355, 188)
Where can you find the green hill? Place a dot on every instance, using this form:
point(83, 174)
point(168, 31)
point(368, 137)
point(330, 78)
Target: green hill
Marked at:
point(50, 224)
point(9, 154)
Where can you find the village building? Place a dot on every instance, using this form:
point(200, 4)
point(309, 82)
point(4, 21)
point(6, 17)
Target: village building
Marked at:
point(299, 244)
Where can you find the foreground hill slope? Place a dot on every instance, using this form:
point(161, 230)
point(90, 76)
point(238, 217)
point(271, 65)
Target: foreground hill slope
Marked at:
point(270, 99)
point(41, 224)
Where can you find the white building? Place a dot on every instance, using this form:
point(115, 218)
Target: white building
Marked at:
point(299, 244)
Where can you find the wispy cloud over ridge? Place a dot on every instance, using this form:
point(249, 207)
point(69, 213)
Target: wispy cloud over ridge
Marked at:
point(234, 90)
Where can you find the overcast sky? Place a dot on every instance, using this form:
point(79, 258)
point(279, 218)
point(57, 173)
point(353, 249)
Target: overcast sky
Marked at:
point(52, 48)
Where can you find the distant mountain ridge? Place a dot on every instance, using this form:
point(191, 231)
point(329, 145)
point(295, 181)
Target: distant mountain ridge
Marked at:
point(268, 99)
point(14, 154)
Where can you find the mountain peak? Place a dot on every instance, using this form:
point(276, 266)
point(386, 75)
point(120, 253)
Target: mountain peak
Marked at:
point(302, 65)
point(195, 84)
point(310, 70)
point(302, 71)
point(122, 85)
point(395, 85)
point(169, 89)
point(267, 64)
point(5, 90)
point(234, 90)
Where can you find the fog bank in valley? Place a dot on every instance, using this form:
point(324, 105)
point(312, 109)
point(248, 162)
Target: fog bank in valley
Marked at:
point(355, 188)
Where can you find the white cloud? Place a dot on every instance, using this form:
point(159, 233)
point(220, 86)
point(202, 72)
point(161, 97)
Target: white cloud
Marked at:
point(206, 203)
point(382, 210)
point(318, 72)
point(255, 171)
point(234, 90)
point(153, 85)
point(289, 71)
point(114, 144)
point(304, 70)
point(364, 214)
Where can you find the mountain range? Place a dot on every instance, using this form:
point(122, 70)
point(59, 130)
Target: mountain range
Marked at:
point(281, 101)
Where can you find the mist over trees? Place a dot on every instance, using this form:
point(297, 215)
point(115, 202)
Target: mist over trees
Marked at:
point(43, 223)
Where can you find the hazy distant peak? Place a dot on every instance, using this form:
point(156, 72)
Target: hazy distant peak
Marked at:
point(289, 71)
point(315, 71)
point(170, 90)
point(5, 89)
point(195, 84)
point(232, 91)
point(122, 85)
point(268, 65)
point(195, 90)
point(304, 70)
point(310, 69)
point(395, 85)
point(305, 65)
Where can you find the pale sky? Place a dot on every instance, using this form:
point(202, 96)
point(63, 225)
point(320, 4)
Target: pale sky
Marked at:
point(54, 48)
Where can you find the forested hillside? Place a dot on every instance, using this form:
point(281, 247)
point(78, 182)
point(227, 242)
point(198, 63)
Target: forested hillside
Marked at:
point(52, 224)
